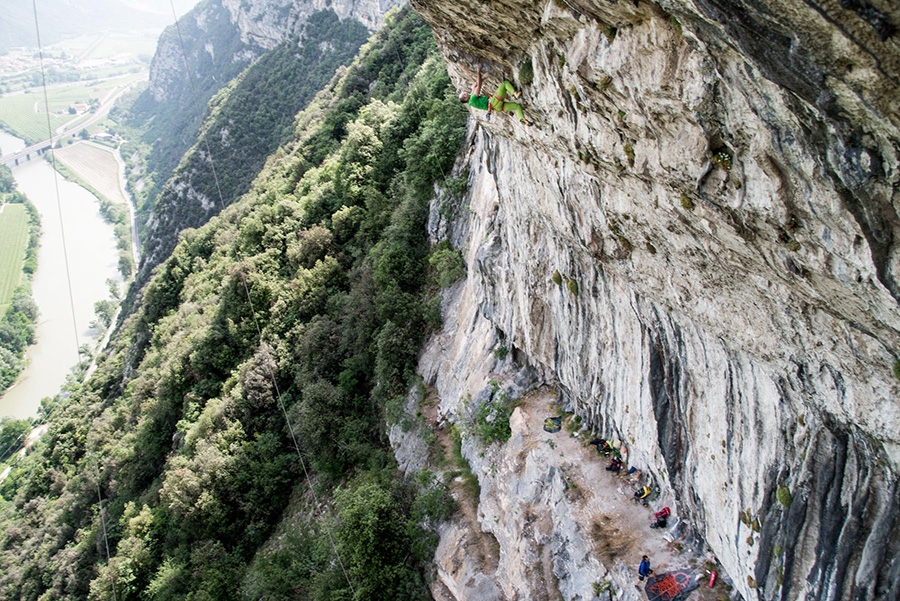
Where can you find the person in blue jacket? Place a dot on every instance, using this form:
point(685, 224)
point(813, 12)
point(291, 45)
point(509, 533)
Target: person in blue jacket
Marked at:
point(644, 570)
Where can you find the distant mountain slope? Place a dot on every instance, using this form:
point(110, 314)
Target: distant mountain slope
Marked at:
point(248, 121)
point(214, 43)
point(171, 110)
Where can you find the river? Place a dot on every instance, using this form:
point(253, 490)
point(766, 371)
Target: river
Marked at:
point(92, 259)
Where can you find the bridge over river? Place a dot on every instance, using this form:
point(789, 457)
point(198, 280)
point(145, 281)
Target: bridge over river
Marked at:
point(36, 150)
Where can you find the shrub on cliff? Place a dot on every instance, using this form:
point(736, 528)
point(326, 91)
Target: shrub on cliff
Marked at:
point(783, 494)
point(492, 420)
point(447, 264)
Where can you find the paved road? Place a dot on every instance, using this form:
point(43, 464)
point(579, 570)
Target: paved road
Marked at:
point(101, 112)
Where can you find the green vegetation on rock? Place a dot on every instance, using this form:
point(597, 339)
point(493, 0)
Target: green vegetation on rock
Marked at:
point(447, 264)
point(783, 494)
point(526, 73)
point(492, 419)
point(295, 316)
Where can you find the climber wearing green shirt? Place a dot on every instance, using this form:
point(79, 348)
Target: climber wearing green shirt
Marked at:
point(494, 102)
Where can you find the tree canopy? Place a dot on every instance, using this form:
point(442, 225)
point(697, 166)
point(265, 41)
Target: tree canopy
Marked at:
point(293, 318)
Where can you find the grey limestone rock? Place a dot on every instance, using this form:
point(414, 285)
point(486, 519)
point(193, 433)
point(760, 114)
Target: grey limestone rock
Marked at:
point(697, 242)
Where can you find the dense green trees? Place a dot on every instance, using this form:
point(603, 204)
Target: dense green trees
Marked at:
point(237, 426)
point(16, 333)
point(246, 121)
point(12, 435)
point(7, 182)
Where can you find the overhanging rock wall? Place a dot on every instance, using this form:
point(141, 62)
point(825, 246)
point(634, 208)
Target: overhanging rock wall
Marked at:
point(696, 242)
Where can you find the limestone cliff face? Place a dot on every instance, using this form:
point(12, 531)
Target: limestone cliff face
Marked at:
point(266, 23)
point(697, 244)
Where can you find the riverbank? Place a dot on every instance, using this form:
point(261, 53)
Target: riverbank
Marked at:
point(20, 231)
point(100, 170)
point(77, 247)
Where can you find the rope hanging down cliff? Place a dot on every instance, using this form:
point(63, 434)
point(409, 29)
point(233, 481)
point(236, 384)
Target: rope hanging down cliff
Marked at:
point(91, 456)
point(269, 367)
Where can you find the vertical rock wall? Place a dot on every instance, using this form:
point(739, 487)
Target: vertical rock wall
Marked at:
point(696, 243)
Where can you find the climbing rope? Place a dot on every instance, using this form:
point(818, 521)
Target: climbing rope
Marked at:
point(90, 454)
point(268, 363)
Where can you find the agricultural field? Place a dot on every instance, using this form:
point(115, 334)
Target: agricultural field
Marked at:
point(13, 243)
point(84, 58)
point(26, 113)
point(96, 165)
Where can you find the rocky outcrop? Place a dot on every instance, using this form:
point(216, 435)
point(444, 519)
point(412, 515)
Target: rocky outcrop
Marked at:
point(269, 22)
point(696, 243)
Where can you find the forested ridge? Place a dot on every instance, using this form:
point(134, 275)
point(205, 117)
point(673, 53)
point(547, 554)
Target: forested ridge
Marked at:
point(170, 127)
point(293, 317)
point(244, 123)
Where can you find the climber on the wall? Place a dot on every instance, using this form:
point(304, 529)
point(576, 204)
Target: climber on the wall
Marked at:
point(496, 101)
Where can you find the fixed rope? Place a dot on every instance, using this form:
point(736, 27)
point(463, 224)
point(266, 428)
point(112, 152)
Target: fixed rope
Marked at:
point(269, 367)
point(91, 455)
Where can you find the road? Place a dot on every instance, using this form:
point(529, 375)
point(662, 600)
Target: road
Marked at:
point(99, 114)
point(123, 179)
point(71, 125)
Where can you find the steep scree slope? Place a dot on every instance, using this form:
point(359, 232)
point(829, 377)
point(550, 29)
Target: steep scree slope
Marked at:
point(697, 243)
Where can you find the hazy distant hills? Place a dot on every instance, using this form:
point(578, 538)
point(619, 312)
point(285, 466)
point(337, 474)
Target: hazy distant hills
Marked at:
point(61, 19)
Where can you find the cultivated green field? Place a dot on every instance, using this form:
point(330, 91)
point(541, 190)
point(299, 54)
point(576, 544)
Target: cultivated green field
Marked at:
point(26, 114)
point(23, 114)
point(13, 243)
